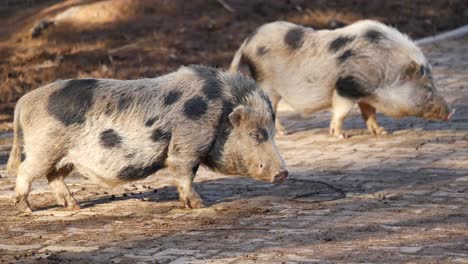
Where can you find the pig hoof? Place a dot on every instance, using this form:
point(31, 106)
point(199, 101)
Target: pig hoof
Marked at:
point(74, 207)
point(196, 204)
point(379, 131)
point(25, 208)
point(193, 203)
point(337, 133)
point(283, 132)
point(22, 205)
point(383, 132)
point(342, 136)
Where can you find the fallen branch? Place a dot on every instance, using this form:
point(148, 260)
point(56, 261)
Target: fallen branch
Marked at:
point(226, 6)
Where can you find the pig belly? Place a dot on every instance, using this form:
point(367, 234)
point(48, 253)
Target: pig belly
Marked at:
point(103, 165)
point(306, 99)
point(96, 165)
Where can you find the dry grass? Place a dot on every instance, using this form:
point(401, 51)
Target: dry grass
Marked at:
point(128, 39)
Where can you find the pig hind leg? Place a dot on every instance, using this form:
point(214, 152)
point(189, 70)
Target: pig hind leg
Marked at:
point(61, 192)
point(369, 115)
point(40, 161)
point(29, 170)
point(341, 107)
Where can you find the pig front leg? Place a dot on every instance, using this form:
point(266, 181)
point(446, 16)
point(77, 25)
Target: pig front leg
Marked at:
point(275, 98)
point(341, 107)
point(184, 173)
point(183, 159)
point(370, 117)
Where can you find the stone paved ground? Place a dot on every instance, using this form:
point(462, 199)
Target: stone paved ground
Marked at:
point(400, 198)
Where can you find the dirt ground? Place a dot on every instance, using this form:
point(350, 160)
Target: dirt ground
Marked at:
point(129, 39)
point(399, 198)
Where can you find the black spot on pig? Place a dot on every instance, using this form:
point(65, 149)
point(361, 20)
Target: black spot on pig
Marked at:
point(110, 139)
point(374, 36)
point(172, 97)
point(160, 135)
point(270, 107)
point(268, 103)
point(294, 38)
point(242, 90)
point(348, 87)
point(254, 71)
point(195, 168)
point(212, 89)
point(70, 103)
point(224, 124)
point(108, 109)
point(343, 57)
point(151, 121)
point(135, 172)
point(124, 102)
point(339, 43)
point(211, 84)
point(195, 108)
point(215, 153)
point(262, 50)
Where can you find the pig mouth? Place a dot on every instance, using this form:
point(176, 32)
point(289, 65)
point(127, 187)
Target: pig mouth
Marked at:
point(280, 177)
point(450, 115)
point(440, 114)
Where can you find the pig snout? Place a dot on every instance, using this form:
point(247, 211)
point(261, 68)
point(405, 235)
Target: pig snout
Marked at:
point(280, 176)
point(449, 116)
point(446, 113)
point(439, 110)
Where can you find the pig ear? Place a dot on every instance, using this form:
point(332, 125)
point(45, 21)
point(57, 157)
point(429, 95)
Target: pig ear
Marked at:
point(411, 70)
point(237, 115)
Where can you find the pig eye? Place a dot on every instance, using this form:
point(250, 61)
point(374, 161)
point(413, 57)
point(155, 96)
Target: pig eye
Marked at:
point(259, 135)
point(255, 136)
point(422, 70)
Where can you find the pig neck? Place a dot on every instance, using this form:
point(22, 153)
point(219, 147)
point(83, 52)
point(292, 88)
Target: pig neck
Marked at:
point(223, 156)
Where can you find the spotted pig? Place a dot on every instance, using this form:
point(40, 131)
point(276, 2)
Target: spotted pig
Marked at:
point(116, 131)
point(366, 63)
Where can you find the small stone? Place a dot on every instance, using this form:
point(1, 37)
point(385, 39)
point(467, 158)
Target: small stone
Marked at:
point(19, 247)
point(462, 179)
point(410, 249)
point(68, 249)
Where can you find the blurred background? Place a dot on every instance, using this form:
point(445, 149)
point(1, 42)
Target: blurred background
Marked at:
point(45, 40)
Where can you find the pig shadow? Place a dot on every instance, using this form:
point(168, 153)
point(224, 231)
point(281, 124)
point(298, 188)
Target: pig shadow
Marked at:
point(227, 190)
point(302, 185)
